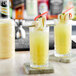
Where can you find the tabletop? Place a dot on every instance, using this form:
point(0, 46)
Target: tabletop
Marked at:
point(14, 66)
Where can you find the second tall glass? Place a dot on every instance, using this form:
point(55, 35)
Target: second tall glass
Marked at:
point(62, 32)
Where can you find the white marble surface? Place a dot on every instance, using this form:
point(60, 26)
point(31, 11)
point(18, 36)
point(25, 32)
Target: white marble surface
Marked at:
point(14, 66)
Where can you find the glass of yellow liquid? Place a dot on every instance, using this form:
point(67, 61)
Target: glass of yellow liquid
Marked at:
point(39, 46)
point(7, 38)
point(62, 32)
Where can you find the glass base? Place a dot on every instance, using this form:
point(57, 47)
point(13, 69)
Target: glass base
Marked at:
point(39, 66)
point(62, 55)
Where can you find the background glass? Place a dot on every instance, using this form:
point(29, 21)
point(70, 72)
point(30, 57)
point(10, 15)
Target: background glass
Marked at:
point(7, 38)
point(62, 32)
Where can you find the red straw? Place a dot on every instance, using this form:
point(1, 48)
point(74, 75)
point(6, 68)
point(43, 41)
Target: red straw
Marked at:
point(70, 15)
point(68, 10)
point(40, 15)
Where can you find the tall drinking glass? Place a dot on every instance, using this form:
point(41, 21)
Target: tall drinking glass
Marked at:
point(39, 47)
point(62, 32)
point(7, 38)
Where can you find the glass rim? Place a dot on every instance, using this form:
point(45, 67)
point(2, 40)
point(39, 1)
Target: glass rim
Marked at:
point(7, 21)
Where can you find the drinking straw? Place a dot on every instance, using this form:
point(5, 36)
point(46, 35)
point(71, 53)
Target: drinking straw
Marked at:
point(68, 9)
point(40, 15)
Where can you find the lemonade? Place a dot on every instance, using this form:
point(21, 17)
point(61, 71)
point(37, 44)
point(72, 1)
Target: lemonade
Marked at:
point(62, 32)
point(39, 46)
point(7, 39)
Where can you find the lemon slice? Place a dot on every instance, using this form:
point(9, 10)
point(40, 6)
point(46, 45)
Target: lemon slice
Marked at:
point(40, 24)
point(63, 17)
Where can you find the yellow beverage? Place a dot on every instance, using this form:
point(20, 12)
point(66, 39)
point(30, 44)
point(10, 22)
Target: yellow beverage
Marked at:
point(7, 39)
point(62, 38)
point(62, 32)
point(39, 46)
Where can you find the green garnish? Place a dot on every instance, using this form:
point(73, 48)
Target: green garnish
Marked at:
point(63, 13)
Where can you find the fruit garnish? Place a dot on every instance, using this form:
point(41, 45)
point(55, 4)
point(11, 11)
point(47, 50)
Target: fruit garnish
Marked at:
point(44, 21)
point(65, 17)
point(41, 21)
point(63, 13)
point(40, 24)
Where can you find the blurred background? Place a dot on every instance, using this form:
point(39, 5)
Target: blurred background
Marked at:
point(23, 13)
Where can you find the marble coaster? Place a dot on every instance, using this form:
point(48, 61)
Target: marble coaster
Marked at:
point(29, 70)
point(63, 60)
